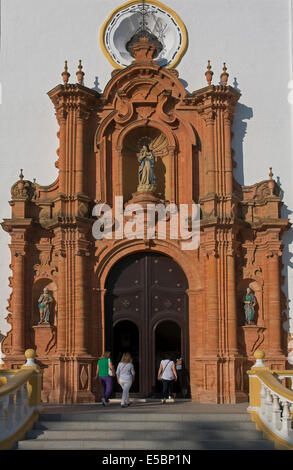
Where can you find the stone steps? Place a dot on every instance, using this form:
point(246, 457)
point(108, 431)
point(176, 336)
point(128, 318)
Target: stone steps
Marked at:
point(128, 415)
point(129, 435)
point(139, 430)
point(145, 445)
point(142, 426)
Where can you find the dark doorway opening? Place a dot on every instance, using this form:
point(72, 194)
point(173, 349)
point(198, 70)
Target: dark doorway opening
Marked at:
point(126, 339)
point(167, 341)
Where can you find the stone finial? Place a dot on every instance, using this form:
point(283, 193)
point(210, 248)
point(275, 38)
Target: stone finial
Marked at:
point(80, 73)
point(20, 183)
point(224, 75)
point(65, 74)
point(30, 355)
point(259, 356)
point(144, 46)
point(22, 189)
point(209, 73)
point(271, 183)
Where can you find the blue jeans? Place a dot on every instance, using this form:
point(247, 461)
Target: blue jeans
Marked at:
point(167, 388)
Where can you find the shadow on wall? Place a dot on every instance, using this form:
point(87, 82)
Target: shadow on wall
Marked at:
point(287, 261)
point(96, 85)
point(239, 127)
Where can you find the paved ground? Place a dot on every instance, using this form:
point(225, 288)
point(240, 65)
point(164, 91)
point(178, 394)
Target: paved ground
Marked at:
point(148, 406)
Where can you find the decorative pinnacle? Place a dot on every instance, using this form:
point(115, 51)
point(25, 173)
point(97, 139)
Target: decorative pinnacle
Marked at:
point(271, 183)
point(224, 75)
point(80, 73)
point(65, 74)
point(209, 73)
point(21, 174)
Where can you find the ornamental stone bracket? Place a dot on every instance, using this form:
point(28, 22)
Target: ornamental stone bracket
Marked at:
point(254, 337)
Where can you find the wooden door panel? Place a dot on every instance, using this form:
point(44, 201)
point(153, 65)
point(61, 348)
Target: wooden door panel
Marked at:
point(146, 288)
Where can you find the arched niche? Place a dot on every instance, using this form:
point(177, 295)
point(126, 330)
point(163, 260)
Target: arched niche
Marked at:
point(132, 144)
point(38, 288)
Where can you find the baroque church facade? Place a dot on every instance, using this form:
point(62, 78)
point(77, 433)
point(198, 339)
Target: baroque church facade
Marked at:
point(140, 294)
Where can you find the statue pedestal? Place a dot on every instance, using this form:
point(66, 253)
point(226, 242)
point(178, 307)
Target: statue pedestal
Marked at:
point(45, 339)
point(144, 197)
point(253, 338)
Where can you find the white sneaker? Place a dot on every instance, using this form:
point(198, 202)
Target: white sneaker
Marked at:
point(103, 401)
point(169, 398)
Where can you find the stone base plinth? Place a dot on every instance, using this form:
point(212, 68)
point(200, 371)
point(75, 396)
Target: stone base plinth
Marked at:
point(45, 339)
point(144, 197)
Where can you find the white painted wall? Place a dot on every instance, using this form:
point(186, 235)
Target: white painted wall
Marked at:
point(252, 37)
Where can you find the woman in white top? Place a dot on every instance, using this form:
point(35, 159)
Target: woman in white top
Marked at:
point(125, 377)
point(168, 371)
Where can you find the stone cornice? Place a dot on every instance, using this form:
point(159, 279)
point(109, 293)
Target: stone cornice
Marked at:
point(213, 95)
point(9, 224)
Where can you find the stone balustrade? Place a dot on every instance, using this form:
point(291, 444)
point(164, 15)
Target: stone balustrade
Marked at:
point(20, 395)
point(271, 403)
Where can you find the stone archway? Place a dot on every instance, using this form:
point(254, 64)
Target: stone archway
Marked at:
point(146, 289)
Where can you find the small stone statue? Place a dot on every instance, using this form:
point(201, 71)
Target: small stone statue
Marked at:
point(249, 304)
point(43, 304)
point(146, 176)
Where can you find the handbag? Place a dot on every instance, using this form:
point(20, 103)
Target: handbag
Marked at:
point(110, 372)
point(161, 374)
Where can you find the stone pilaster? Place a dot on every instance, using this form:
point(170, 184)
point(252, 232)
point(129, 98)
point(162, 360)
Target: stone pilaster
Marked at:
point(18, 304)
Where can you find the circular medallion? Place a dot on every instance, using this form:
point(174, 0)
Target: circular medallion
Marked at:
point(158, 19)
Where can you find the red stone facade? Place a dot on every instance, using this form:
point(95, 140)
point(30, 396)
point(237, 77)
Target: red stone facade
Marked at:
point(52, 243)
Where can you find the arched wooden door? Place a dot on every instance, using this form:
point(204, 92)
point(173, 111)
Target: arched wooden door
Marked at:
point(146, 289)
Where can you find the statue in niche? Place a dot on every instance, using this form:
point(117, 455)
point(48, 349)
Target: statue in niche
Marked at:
point(43, 304)
point(249, 304)
point(146, 175)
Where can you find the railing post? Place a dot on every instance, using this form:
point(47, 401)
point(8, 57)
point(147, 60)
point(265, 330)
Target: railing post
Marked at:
point(254, 383)
point(34, 384)
point(276, 412)
point(286, 418)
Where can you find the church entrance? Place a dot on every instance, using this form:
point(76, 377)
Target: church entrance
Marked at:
point(146, 314)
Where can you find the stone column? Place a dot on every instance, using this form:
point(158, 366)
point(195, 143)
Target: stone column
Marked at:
point(196, 323)
point(18, 305)
point(228, 155)
point(212, 340)
point(79, 183)
point(210, 152)
point(61, 116)
point(81, 314)
point(232, 305)
point(119, 176)
point(173, 173)
point(275, 327)
point(61, 318)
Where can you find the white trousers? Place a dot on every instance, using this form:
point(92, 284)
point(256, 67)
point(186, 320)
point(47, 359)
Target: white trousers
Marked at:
point(125, 384)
